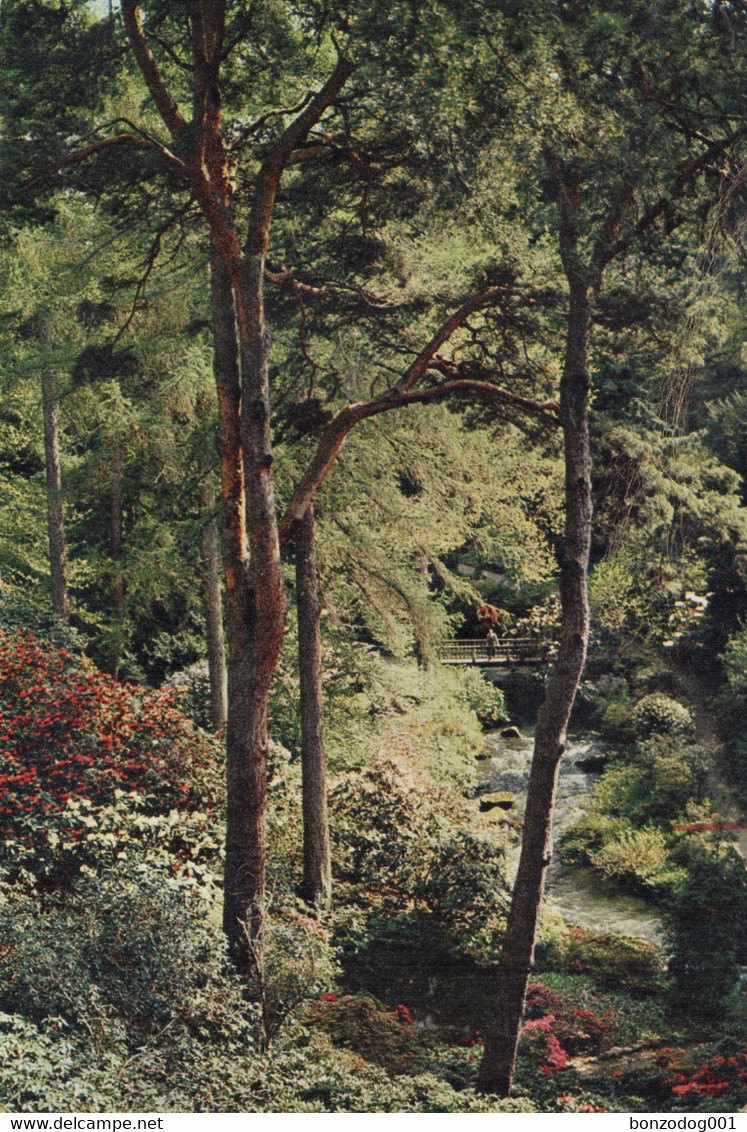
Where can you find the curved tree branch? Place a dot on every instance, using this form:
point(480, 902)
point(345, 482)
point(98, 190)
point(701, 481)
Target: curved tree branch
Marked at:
point(338, 428)
point(157, 88)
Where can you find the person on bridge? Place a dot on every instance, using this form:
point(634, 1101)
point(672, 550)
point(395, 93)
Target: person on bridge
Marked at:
point(492, 642)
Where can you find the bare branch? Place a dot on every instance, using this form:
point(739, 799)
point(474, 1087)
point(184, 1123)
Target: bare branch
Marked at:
point(150, 263)
point(137, 141)
point(154, 81)
point(443, 334)
point(258, 123)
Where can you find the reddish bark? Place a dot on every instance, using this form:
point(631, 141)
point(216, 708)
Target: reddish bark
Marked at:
point(316, 886)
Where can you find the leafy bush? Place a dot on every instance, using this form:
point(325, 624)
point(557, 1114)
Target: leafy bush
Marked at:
point(360, 1022)
point(719, 1078)
point(465, 884)
point(731, 709)
point(377, 824)
point(322, 1078)
point(626, 831)
point(118, 962)
point(398, 845)
point(182, 847)
point(610, 960)
point(617, 724)
point(639, 857)
point(705, 929)
point(580, 844)
point(657, 714)
point(190, 688)
point(67, 730)
point(18, 616)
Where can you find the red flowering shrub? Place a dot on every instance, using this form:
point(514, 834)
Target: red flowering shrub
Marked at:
point(720, 1077)
point(67, 730)
point(563, 1029)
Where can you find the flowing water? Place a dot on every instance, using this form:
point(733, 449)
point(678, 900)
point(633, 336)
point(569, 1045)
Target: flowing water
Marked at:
point(579, 895)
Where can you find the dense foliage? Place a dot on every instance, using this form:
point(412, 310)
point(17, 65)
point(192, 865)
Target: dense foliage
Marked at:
point(479, 170)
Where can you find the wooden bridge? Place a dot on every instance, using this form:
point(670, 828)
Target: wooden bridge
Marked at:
point(507, 652)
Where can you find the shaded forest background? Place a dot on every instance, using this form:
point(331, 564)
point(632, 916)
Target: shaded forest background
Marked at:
point(366, 395)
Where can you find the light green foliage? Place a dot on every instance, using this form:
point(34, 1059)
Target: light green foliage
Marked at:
point(640, 857)
point(672, 517)
point(616, 597)
point(413, 496)
point(375, 706)
point(626, 833)
point(580, 844)
point(134, 398)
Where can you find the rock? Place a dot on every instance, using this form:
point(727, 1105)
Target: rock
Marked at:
point(510, 733)
point(593, 763)
point(502, 801)
point(483, 755)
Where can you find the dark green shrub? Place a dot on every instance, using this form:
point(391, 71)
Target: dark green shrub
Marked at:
point(731, 709)
point(361, 1023)
point(377, 826)
point(705, 923)
point(616, 723)
point(615, 961)
point(20, 616)
point(403, 854)
point(465, 885)
point(116, 961)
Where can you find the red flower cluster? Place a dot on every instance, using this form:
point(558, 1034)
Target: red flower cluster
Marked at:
point(574, 1029)
point(716, 1077)
point(557, 1058)
point(66, 729)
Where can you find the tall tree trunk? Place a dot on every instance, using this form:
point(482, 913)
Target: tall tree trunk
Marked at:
point(497, 1067)
point(316, 885)
point(213, 600)
point(256, 603)
point(244, 893)
point(267, 604)
point(55, 515)
point(236, 575)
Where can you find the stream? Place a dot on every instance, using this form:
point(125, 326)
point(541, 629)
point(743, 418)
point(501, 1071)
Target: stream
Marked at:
point(580, 896)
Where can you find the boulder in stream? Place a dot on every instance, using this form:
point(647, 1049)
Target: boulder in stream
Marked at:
point(503, 800)
point(511, 732)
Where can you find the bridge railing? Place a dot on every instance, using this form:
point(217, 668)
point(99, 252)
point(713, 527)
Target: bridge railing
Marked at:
point(506, 649)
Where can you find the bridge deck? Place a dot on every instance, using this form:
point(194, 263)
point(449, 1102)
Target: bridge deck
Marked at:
point(507, 651)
